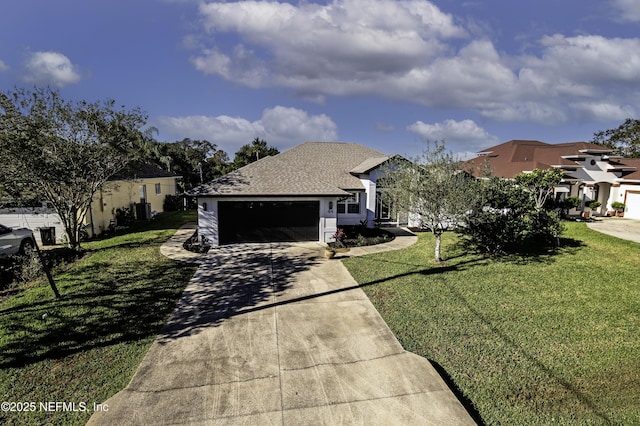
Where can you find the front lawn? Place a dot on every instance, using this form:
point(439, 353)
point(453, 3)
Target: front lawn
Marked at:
point(546, 339)
point(86, 346)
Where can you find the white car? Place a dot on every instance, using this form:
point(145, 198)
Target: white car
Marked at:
point(15, 241)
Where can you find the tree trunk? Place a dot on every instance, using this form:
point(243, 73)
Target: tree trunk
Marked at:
point(438, 236)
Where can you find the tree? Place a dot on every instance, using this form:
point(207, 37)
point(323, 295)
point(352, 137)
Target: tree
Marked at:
point(65, 151)
point(253, 152)
point(625, 139)
point(194, 160)
point(540, 184)
point(217, 165)
point(432, 187)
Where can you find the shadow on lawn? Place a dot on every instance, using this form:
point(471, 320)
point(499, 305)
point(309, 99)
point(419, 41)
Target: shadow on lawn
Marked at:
point(534, 253)
point(101, 306)
point(570, 388)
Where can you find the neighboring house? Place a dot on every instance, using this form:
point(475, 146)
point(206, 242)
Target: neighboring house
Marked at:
point(303, 194)
point(141, 189)
point(592, 173)
point(35, 219)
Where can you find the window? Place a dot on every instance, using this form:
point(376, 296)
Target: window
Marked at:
point(143, 194)
point(158, 189)
point(383, 211)
point(350, 204)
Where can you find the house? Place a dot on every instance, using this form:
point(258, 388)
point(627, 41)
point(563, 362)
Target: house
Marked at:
point(139, 190)
point(303, 194)
point(591, 172)
point(34, 218)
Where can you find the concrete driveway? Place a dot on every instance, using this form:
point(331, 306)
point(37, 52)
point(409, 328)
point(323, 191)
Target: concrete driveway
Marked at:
point(277, 334)
point(627, 229)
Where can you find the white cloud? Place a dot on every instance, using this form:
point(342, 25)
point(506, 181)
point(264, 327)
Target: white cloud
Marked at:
point(605, 111)
point(50, 68)
point(280, 126)
point(462, 137)
point(591, 59)
point(411, 51)
point(573, 72)
point(627, 10)
point(3, 66)
point(311, 42)
point(291, 125)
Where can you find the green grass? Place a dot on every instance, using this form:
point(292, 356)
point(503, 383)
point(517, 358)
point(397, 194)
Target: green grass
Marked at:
point(92, 340)
point(546, 339)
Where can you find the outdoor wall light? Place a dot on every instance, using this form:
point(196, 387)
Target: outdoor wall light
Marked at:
point(204, 206)
point(330, 206)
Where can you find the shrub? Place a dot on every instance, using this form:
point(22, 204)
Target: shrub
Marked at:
point(20, 268)
point(339, 236)
point(594, 204)
point(125, 217)
point(569, 203)
point(505, 220)
point(173, 203)
point(618, 206)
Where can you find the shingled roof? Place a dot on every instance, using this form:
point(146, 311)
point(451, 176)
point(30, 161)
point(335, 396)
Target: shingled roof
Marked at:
point(138, 170)
point(511, 158)
point(311, 168)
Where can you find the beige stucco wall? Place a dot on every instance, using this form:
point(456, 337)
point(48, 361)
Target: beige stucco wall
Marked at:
point(124, 194)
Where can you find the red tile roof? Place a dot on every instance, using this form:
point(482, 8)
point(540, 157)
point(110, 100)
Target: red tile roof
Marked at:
point(516, 156)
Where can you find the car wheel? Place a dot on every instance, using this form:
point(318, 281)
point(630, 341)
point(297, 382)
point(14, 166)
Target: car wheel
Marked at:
point(27, 246)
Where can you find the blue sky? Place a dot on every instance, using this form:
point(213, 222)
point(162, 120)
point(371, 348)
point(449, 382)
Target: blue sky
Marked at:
point(387, 74)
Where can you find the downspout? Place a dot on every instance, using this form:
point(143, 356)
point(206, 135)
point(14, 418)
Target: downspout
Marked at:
point(93, 229)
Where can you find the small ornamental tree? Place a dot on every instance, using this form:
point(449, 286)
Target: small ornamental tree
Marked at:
point(64, 151)
point(431, 187)
point(540, 184)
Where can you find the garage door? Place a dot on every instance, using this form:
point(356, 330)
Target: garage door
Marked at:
point(266, 221)
point(633, 205)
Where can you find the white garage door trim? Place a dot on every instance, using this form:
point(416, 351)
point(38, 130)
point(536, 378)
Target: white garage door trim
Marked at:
point(632, 200)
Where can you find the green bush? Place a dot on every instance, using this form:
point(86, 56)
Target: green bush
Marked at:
point(19, 268)
point(594, 204)
point(173, 203)
point(125, 216)
point(618, 206)
point(569, 203)
point(505, 220)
